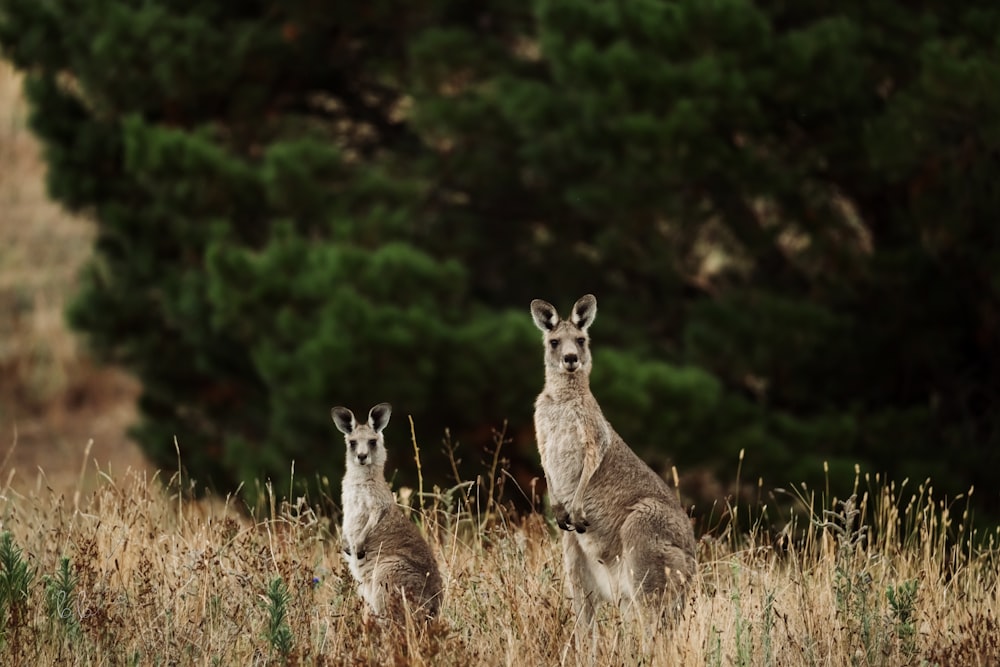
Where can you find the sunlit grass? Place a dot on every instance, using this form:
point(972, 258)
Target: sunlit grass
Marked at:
point(136, 574)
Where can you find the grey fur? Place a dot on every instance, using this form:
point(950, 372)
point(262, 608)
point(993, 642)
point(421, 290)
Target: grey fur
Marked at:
point(385, 551)
point(627, 539)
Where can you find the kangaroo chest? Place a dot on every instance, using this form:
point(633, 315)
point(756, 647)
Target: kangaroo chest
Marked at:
point(565, 430)
point(362, 502)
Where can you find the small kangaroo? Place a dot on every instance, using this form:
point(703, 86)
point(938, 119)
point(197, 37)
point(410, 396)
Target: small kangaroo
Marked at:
point(385, 551)
point(627, 538)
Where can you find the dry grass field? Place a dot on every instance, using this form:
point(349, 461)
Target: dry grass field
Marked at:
point(135, 574)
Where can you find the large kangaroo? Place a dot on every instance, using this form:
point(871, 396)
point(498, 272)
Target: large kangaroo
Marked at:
point(385, 552)
point(627, 538)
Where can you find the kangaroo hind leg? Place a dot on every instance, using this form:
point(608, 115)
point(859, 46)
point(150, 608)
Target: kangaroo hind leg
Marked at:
point(581, 585)
point(661, 569)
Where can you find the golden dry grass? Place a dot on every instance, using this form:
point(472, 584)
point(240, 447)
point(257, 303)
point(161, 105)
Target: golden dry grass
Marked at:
point(161, 580)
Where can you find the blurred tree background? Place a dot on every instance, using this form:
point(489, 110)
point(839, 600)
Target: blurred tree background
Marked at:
point(786, 211)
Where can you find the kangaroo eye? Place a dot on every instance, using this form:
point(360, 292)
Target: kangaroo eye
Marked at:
point(352, 443)
point(581, 341)
point(553, 343)
point(372, 442)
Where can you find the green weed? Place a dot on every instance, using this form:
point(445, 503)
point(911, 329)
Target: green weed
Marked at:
point(279, 634)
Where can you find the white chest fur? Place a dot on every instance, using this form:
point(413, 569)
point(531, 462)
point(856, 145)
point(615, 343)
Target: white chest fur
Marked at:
point(365, 502)
point(563, 450)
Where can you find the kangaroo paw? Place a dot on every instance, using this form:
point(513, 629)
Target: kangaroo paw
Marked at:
point(562, 517)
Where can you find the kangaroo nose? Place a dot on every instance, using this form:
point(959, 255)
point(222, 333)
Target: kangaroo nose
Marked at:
point(570, 358)
point(362, 458)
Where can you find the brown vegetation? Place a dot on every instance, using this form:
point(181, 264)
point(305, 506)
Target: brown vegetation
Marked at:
point(888, 577)
point(53, 398)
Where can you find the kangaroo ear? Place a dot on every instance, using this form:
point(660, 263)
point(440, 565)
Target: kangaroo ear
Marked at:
point(344, 419)
point(584, 311)
point(545, 315)
point(378, 418)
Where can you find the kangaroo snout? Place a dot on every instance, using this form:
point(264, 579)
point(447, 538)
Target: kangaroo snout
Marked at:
point(362, 458)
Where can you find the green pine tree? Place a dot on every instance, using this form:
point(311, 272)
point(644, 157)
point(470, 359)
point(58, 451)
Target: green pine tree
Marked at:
point(785, 210)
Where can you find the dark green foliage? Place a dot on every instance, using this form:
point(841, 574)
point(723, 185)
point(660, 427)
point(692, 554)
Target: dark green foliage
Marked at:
point(279, 634)
point(15, 579)
point(61, 598)
point(785, 210)
point(902, 606)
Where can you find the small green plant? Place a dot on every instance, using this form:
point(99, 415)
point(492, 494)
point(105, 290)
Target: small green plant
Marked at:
point(279, 634)
point(767, 626)
point(742, 627)
point(879, 630)
point(902, 606)
point(60, 598)
point(15, 579)
point(714, 657)
point(853, 583)
point(856, 604)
